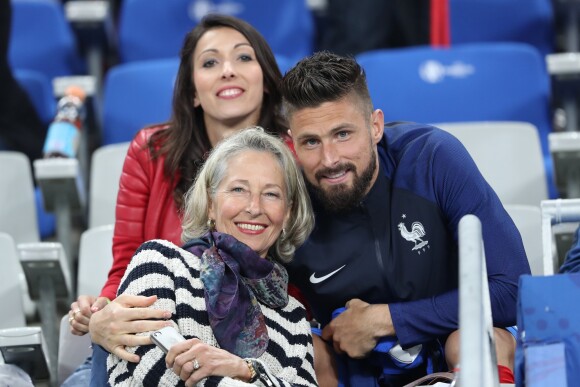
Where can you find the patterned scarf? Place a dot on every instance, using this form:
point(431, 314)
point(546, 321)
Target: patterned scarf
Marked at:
point(235, 277)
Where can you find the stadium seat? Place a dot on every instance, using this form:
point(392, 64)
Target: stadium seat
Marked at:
point(18, 209)
point(475, 82)
point(135, 95)
point(106, 166)
point(525, 21)
point(72, 350)
point(11, 308)
point(548, 349)
point(284, 63)
point(557, 212)
point(39, 89)
point(41, 39)
point(528, 220)
point(151, 30)
point(509, 156)
point(17, 202)
point(95, 259)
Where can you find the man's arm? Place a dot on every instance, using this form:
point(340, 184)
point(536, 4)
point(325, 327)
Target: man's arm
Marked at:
point(461, 190)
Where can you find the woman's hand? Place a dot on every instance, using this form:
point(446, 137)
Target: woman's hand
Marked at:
point(81, 311)
point(114, 326)
point(186, 356)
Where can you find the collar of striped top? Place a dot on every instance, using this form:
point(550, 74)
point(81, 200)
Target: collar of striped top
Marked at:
point(235, 277)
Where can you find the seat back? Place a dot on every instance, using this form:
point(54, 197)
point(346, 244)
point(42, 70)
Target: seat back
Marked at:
point(526, 21)
point(150, 30)
point(135, 95)
point(72, 350)
point(11, 276)
point(18, 209)
point(557, 212)
point(475, 82)
point(528, 220)
point(39, 89)
point(95, 259)
point(509, 156)
point(17, 201)
point(106, 166)
point(41, 39)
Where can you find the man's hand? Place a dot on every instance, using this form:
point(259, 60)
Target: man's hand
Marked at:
point(114, 326)
point(356, 330)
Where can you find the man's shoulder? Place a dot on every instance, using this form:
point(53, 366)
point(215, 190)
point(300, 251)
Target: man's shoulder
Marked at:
point(409, 142)
point(399, 134)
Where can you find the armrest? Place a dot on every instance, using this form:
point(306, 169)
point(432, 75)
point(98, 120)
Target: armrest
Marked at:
point(60, 179)
point(25, 347)
point(45, 260)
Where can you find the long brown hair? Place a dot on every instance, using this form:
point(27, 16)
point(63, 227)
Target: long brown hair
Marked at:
point(185, 141)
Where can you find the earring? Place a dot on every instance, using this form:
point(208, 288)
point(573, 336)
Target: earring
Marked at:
point(211, 224)
point(283, 233)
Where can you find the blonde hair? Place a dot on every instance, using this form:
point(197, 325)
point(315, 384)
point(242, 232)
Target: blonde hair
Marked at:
point(210, 176)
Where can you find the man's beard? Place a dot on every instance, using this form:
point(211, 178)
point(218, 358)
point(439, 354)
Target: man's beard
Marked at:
point(339, 197)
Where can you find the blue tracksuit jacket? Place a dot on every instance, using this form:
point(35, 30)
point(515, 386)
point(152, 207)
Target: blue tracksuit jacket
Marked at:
point(399, 245)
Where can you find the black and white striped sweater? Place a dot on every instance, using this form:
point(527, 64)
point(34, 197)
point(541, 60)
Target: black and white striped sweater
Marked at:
point(164, 269)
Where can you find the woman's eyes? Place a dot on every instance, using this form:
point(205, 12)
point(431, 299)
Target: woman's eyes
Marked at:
point(209, 63)
point(268, 194)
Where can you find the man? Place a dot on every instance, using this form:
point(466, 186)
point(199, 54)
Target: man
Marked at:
point(572, 262)
point(387, 204)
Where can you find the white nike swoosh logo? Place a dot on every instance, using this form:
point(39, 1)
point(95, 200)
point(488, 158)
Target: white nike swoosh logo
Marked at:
point(317, 280)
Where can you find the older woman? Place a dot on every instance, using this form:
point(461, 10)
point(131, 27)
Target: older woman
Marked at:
point(245, 215)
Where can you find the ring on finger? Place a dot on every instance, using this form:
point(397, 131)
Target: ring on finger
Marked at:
point(76, 311)
point(71, 319)
point(196, 365)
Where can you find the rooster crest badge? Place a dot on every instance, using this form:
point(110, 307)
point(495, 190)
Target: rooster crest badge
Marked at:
point(415, 235)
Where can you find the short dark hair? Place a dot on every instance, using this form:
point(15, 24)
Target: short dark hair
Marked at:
point(324, 77)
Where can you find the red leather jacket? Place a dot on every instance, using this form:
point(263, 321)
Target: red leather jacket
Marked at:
point(145, 208)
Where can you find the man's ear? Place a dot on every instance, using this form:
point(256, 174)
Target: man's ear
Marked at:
point(377, 125)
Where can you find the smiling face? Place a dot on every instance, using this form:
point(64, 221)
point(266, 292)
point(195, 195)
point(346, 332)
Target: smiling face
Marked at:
point(336, 146)
point(250, 203)
point(229, 83)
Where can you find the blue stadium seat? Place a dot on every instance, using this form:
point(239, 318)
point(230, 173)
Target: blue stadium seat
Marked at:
point(39, 90)
point(526, 21)
point(475, 82)
point(155, 29)
point(284, 63)
point(41, 39)
point(135, 95)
